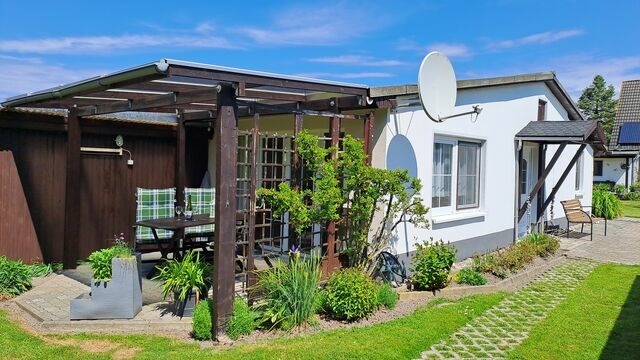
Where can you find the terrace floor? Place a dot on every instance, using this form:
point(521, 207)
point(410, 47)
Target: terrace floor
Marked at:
point(47, 303)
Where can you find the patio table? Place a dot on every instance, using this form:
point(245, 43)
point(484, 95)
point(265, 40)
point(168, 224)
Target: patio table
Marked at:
point(177, 225)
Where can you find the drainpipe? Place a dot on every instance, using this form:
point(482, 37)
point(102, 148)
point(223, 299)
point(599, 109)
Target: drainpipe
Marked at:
point(626, 173)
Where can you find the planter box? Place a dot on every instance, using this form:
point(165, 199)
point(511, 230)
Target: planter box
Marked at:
point(185, 307)
point(118, 298)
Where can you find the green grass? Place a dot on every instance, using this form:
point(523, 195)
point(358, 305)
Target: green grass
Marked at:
point(631, 208)
point(599, 320)
point(401, 338)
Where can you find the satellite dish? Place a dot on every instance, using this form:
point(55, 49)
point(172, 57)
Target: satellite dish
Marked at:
point(437, 86)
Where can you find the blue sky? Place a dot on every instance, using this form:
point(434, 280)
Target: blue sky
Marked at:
point(47, 43)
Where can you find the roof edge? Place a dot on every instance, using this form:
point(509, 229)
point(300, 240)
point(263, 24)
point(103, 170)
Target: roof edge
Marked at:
point(548, 77)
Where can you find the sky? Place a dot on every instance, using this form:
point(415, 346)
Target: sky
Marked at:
point(376, 43)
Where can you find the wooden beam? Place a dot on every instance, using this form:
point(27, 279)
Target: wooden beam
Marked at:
point(72, 192)
point(153, 101)
point(13, 120)
point(180, 165)
point(258, 79)
point(251, 274)
point(226, 143)
point(369, 128)
point(330, 263)
point(563, 176)
point(542, 178)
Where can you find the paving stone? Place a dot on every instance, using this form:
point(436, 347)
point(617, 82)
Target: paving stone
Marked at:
point(502, 328)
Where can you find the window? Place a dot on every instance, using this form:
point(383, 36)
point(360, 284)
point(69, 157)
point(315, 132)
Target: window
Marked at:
point(459, 161)
point(597, 168)
point(523, 177)
point(579, 174)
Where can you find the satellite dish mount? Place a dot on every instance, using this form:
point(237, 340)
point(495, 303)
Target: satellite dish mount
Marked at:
point(437, 88)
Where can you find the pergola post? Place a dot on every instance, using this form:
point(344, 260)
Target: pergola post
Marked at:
point(226, 144)
point(369, 125)
point(180, 166)
point(72, 191)
point(331, 261)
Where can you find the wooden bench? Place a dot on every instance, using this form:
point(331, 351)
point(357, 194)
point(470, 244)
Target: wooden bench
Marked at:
point(575, 213)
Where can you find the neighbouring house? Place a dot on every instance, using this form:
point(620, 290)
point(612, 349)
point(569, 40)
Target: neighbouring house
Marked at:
point(479, 172)
point(185, 124)
point(620, 164)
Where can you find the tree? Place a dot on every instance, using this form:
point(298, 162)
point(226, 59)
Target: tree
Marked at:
point(597, 103)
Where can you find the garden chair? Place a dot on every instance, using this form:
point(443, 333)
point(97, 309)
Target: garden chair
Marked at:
point(575, 213)
point(153, 204)
point(202, 200)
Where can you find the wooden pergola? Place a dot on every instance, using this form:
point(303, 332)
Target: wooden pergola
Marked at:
point(198, 94)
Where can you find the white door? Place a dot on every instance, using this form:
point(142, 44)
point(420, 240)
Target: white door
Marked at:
point(528, 178)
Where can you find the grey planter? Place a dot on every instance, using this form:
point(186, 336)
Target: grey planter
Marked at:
point(186, 306)
point(118, 298)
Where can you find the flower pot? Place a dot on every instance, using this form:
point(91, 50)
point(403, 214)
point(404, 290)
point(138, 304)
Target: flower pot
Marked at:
point(185, 307)
point(118, 298)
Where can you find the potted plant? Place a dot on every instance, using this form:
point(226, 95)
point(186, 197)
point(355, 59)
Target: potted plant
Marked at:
point(187, 280)
point(116, 286)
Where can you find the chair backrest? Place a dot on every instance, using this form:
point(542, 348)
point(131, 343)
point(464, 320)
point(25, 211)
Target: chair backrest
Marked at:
point(574, 212)
point(202, 200)
point(154, 204)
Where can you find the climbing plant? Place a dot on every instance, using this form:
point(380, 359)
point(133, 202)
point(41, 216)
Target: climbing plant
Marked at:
point(368, 203)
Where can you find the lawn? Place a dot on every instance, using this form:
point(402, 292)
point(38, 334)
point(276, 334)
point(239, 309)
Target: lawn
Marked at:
point(599, 320)
point(631, 208)
point(402, 338)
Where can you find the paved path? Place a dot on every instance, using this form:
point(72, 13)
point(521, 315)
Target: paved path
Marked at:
point(621, 245)
point(503, 327)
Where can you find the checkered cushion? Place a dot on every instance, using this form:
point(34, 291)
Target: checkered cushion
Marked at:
point(154, 204)
point(202, 201)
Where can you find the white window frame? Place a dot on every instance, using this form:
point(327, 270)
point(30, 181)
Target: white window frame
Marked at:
point(454, 207)
point(579, 174)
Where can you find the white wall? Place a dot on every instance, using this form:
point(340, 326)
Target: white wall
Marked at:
point(506, 110)
point(612, 171)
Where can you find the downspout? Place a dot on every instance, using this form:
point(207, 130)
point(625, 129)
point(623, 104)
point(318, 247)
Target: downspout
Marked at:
point(516, 202)
point(626, 173)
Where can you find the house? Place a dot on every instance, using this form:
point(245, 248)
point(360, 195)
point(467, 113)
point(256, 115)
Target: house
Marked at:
point(479, 171)
point(484, 177)
point(620, 164)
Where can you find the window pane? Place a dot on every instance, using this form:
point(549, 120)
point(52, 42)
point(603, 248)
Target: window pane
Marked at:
point(468, 174)
point(441, 188)
point(579, 174)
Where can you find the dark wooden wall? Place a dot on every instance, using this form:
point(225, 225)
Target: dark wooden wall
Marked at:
point(107, 183)
point(18, 238)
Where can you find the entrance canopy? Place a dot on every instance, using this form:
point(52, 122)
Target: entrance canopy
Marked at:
point(561, 133)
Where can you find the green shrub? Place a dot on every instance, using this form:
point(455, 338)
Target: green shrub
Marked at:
point(185, 275)
point(603, 186)
point(39, 269)
point(635, 187)
point(619, 189)
point(243, 320)
point(101, 259)
point(387, 296)
point(633, 196)
point(351, 294)
point(471, 277)
point(431, 265)
point(606, 204)
point(201, 318)
point(321, 305)
point(290, 293)
point(14, 277)
point(546, 244)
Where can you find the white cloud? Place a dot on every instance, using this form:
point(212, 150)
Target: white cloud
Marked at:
point(86, 44)
point(357, 60)
point(452, 50)
point(577, 72)
point(328, 24)
point(349, 75)
point(539, 38)
point(23, 75)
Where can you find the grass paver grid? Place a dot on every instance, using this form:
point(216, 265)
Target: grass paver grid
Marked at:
point(505, 326)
